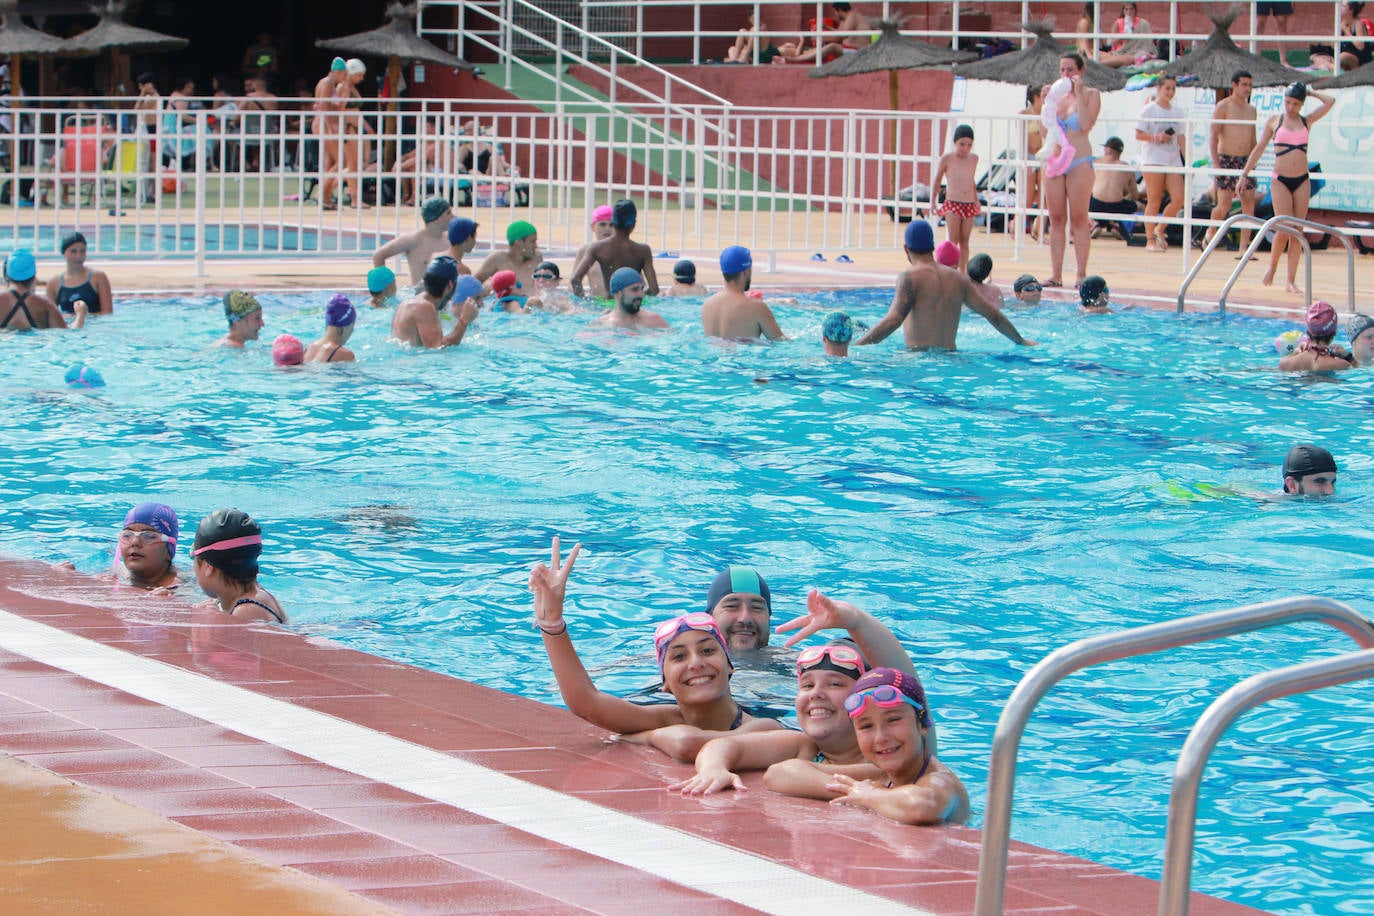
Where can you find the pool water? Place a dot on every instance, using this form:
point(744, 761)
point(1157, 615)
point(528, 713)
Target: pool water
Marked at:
point(992, 505)
point(129, 237)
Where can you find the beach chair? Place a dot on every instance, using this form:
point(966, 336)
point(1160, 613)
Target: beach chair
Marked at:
point(80, 156)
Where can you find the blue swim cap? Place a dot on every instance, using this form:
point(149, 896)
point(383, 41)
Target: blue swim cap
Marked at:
point(838, 328)
point(732, 579)
point(379, 278)
point(84, 377)
point(920, 238)
point(735, 260)
point(460, 229)
point(625, 276)
point(21, 267)
point(161, 518)
point(468, 287)
point(444, 268)
point(339, 313)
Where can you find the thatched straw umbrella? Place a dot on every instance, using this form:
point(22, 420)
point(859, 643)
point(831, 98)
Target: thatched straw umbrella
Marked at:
point(1038, 65)
point(892, 52)
point(1361, 76)
point(112, 33)
point(1213, 64)
point(20, 40)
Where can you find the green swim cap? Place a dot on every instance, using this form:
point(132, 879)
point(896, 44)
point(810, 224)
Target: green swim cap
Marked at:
point(520, 229)
point(338, 64)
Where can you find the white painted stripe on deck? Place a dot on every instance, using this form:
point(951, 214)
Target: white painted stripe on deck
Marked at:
point(671, 854)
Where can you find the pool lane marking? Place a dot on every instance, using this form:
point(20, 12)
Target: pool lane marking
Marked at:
point(666, 852)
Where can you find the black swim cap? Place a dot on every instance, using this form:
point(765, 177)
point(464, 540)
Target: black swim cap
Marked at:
point(685, 271)
point(963, 132)
point(1296, 91)
point(980, 267)
point(1091, 289)
point(70, 239)
point(551, 268)
point(230, 541)
point(624, 214)
point(1304, 459)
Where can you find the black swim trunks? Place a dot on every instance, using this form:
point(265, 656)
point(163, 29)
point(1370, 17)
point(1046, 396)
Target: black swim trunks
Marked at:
point(1277, 9)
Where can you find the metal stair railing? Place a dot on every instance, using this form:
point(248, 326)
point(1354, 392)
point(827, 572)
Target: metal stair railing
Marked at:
point(992, 861)
point(1249, 693)
point(1282, 223)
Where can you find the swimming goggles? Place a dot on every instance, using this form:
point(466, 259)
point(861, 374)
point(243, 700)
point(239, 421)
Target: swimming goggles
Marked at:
point(544, 276)
point(149, 536)
point(884, 695)
point(669, 630)
point(844, 659)
point(229, 544)
point(1032, 287)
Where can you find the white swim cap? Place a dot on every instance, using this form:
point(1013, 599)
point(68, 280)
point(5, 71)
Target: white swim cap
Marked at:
point(355, 66)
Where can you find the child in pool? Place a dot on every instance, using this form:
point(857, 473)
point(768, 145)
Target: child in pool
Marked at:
point(692, 659)
point(960, 207)
point(228, 543)
point(892, 723)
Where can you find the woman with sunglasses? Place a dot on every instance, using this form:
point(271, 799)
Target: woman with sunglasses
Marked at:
point(692, 659)
point(892, 723)
point(147, 548)
point(803, 763)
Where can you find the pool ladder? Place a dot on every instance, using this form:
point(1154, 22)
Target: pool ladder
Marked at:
point(1179, 834)
point(1279, 224)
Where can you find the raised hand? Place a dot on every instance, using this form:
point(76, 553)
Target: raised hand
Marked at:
point(550, 586)
point(823, 613)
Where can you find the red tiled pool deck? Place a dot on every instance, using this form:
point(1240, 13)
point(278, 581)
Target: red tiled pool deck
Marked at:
point(358, 777)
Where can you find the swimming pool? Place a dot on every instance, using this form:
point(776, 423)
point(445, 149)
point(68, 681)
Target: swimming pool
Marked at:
point(152, 239)
point(993, 505)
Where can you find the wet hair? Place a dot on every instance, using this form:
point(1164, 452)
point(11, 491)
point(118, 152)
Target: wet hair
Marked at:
point(963, 132)
point(435, 284)
point(1075, 57)
point(1356, 7)
point(1240, 75)
point(979, 267)
point(1033, 93)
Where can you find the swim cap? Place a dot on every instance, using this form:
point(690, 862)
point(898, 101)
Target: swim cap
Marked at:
point(1024, 281)
point(1091, 289)
point(468, 287)
point(460, 229)
point(355, 66)
point(603, 214)
point(947, 253)
point(83, 377)
point(1308, 459)
point(503, 281)
point(963, 132)
point(379, 278)
point(520, 229)
point(339, 313)
point(444, 268)
point(1296, 91)
point(433, 208)
point(287, 350)
point(735, 260)
point(1321, 319)
point(1357, 325)
point(839, 655)
point(685, 271)
point(624, 214)
point(625, 276)
point(21, 267)
point(920, 237)
point(337, 64)
point(230, 541)
point(980, 267)
point(161, 517)
point(908, 684)
point(731, 579)
point(551, 268)
point(669, 630)
point(70, 239)
point(239, 305)
point(837, 328)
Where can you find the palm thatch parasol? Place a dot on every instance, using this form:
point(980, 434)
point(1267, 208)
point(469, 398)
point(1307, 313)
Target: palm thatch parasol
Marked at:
point(20, 40)
point(1213, 64)
point(115, 35)
point(892, 52)
point(1038, 65)
point(1362, 75)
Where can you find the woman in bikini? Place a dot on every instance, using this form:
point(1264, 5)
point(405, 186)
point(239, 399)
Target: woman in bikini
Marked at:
point(339, 318)
point(1067, 196)
point(1035, 138)
point(1291, 188)
point(354, 127)
point(228, 543)
point(692, 659)
point(1159, 130)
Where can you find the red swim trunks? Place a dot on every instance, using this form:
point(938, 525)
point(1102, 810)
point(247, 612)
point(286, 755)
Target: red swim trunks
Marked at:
point(960, 208)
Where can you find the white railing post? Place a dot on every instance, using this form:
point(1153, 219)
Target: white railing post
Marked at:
point(200, 193)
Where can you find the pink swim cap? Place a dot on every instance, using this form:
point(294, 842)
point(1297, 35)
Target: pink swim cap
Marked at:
point(602, 214)
point(1321, 319)
point(947, 253)
point(287, 350)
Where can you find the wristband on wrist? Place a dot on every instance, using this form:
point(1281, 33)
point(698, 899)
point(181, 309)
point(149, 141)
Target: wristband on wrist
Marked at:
point(557, 629)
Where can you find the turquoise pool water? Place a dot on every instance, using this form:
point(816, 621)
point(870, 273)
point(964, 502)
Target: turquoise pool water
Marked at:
point(992, 505)
point(128, 237)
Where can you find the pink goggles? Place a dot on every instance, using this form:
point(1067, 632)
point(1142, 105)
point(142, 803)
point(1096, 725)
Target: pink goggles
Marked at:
point(885, 696)
point(669, 630)
point(230, 544)
point(841, 658)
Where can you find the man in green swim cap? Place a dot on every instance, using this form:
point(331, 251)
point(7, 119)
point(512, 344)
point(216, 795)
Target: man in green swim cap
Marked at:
point(522, 256)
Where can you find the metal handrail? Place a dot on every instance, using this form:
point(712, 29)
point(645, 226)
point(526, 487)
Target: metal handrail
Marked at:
point(1217, 238)
point(992, 861)
point(1249, 693)
point(1288, 224)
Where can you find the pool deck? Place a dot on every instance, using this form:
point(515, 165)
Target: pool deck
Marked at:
point(148, 745)
point(1133, 273)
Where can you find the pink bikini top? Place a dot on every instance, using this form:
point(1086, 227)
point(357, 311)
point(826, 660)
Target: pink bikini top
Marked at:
point(1290, 141)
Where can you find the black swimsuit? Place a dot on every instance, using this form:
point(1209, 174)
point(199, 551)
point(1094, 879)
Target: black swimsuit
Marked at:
point(20, 305)
point(268, 609)
point(66, 295)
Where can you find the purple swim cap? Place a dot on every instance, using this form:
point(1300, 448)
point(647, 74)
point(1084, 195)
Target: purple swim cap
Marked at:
point(339, 313)
point(161, 517)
